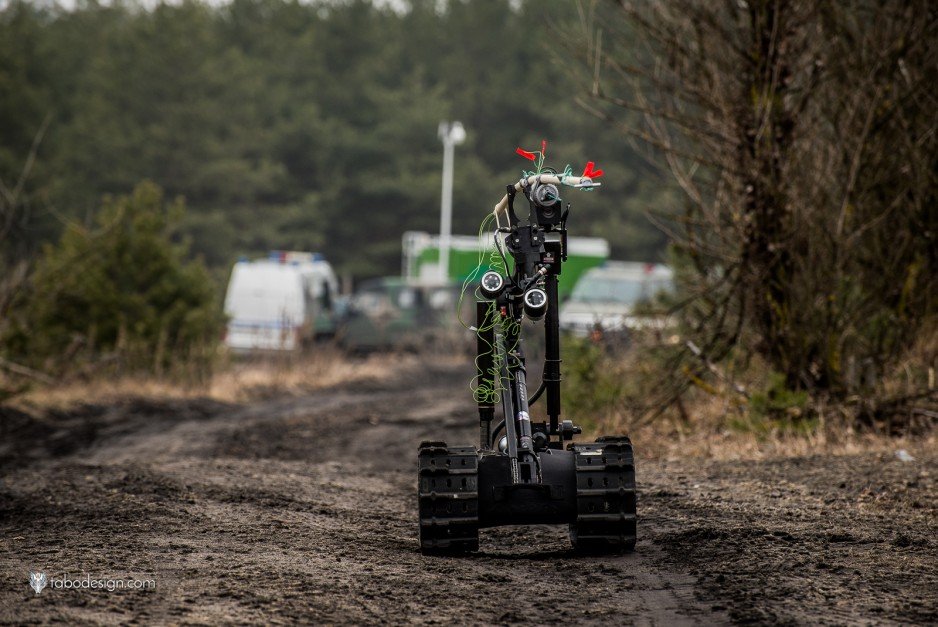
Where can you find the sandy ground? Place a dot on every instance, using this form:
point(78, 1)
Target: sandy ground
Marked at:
point(303, 509)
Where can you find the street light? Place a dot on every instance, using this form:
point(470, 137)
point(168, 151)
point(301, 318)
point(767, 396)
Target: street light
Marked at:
point(452, 134)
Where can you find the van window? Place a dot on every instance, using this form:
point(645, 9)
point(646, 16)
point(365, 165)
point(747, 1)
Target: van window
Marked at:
point(326, 296)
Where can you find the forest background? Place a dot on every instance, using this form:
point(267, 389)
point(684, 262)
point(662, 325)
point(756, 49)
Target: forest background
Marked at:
point(301, 126)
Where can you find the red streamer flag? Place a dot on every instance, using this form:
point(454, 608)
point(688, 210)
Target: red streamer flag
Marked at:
point(589, 172)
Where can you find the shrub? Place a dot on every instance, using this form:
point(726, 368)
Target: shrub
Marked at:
point(121, 290)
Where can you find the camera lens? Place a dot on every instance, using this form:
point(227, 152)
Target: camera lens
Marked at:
point(535, 303)
point(546, 195)
point(492, 284)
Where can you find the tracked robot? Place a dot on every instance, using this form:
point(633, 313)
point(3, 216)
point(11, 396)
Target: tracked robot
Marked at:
point(526, 470)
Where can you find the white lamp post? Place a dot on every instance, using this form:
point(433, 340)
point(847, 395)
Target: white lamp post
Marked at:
point(451, 133)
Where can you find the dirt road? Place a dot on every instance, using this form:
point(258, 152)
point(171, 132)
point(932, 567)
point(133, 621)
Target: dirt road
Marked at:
point(302, 509)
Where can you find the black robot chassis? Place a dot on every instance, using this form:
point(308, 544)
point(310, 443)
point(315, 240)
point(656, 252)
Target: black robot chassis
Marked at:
point(526, 472)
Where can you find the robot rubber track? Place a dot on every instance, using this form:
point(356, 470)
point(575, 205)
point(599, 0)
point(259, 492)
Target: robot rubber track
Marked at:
point(600, 511)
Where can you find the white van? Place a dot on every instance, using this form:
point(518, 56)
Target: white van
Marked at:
point(280, 302)
point(604, 297)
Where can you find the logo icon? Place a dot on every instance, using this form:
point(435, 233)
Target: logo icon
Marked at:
point(38, 581)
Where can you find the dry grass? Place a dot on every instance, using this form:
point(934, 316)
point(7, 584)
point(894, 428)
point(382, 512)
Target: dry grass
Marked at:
point(715, 428)
point(632, 391)
point(235, 380)
point(714, 433)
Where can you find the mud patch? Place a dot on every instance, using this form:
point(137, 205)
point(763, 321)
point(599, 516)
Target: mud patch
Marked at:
point(846, 539)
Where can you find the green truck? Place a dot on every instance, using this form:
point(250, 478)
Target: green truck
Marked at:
point(421, 258)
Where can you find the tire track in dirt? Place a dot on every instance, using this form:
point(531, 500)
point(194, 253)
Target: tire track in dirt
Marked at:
point(303, 509)
point(296, 509)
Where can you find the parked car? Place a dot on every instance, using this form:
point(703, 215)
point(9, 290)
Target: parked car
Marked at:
point(605, 298)
point(393, 313)
point(281, 302)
